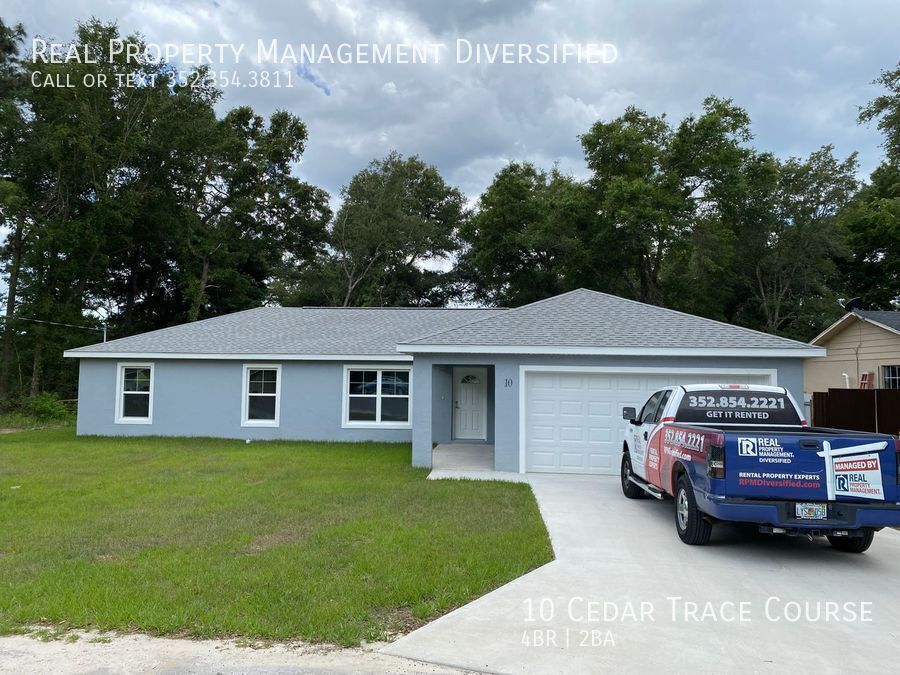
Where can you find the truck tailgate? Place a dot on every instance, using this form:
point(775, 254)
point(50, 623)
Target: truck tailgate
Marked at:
point(804, 466)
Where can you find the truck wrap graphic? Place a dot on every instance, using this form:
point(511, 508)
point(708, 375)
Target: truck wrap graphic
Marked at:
point(854, 471)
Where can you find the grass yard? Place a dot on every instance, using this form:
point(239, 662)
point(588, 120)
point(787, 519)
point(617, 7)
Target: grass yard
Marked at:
point(203, 537)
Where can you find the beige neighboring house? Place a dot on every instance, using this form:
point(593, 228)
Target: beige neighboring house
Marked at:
point(860, 342)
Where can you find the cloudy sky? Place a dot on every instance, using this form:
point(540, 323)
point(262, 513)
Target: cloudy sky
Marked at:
point(800, 68)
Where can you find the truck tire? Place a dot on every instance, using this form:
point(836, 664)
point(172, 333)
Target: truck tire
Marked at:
point(853, 544)
point(692, 527)
point(629, 489)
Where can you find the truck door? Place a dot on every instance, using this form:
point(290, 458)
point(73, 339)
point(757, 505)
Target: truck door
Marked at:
point(640, 434)
point(652, 431)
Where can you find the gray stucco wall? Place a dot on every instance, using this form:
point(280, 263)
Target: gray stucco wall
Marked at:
point(441, 403)
point(505, 419)
point(203, 398)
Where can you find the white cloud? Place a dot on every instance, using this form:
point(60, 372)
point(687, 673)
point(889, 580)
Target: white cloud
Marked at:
point(799, 68)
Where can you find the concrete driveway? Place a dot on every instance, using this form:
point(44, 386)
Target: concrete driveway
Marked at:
point(747, 602)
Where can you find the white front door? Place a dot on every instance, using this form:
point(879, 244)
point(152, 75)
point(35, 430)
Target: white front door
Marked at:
point(470, 403)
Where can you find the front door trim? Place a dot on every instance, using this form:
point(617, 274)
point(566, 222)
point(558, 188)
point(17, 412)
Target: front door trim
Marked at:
point(482, 373)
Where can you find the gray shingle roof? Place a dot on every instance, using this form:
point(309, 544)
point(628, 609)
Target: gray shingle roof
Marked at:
point(578, 319)
point(313, 331)
point(589, 319)
point(889, 319)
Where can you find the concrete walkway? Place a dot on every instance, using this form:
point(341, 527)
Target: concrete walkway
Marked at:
point(459, 456)
point(625, 594)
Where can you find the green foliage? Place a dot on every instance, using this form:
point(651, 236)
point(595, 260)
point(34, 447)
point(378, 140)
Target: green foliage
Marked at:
point(318, 541)
point(139, 203)
point(687, 216)
point(886, 110)
point(397, 218)
point(524, 243)
point(45, 407)
point(144, 206)
point(872, 221)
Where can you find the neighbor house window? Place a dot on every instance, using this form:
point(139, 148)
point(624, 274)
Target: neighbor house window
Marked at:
point(134, 393)
point(261, 399)
point(376, 396)
point(890, 377)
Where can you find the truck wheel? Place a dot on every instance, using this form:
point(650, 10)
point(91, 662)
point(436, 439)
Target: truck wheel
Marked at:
point(853, 544)
point(629, 489)
point(692, 527)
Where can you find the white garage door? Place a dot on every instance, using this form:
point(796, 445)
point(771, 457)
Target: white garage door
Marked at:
point(573, 420)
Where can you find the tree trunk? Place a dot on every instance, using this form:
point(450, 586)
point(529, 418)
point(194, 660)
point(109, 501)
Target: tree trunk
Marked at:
point(348, 294)
point(201, 291)
point(36, 369)
point(8, 333)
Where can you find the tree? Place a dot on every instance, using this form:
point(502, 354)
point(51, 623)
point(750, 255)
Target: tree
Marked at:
point(654, 184)
point(886, 110)
point(525, 242)
point(12, 214)
point(791, 257)
point(136, 201)
point(239, 204)
point(397, 216)
point(11, 39)
point(872, 219)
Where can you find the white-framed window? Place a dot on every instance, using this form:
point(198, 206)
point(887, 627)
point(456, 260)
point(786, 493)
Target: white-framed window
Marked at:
point(261, 395)
point(377, 396)
point(134, 393)
point(890, 377)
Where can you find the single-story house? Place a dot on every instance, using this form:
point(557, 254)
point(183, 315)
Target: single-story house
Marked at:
point(860, 346)
point(542, 385)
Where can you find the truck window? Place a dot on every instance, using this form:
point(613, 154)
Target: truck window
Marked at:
point(648, 412)
point(661, 408)
point(737, 406)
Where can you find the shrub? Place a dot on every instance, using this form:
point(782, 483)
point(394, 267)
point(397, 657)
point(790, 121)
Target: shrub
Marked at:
point(45, 407)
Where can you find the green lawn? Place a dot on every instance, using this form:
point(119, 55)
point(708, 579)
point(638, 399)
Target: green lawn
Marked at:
point(203, 537)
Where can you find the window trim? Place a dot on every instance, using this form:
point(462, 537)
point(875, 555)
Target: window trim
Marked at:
point(245, 395)
point(885, 377)
point(120, 392)
point(346, 423)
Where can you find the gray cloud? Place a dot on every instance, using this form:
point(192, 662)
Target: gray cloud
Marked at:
point(801, 70)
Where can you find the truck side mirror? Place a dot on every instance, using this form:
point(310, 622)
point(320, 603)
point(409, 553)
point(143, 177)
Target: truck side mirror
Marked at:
point(629, 413)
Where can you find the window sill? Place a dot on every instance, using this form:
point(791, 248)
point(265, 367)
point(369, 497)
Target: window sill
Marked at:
point(134, 420)
point(376, 425)
point(260, 423)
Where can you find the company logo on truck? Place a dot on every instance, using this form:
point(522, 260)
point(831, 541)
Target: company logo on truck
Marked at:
point(854, 471)
point(766, 449)
point(858, 476)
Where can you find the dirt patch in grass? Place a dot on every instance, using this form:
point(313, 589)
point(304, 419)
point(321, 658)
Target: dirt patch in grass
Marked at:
point(399, 621)
point(280, 537)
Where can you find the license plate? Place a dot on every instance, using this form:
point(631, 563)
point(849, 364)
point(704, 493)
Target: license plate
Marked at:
point(806, 511)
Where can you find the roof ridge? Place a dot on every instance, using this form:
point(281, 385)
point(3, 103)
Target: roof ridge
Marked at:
point(875, 311)
point(467, 309)
point(787, 341)
point(508, 310)
point(702, 318)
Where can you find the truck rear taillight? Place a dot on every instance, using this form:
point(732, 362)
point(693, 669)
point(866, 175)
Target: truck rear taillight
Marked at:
point(715, 461)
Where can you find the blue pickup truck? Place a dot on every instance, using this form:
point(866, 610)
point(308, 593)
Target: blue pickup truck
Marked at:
point(744, 453)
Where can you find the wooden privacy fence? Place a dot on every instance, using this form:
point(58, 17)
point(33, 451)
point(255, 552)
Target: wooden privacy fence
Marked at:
point(860, 409)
